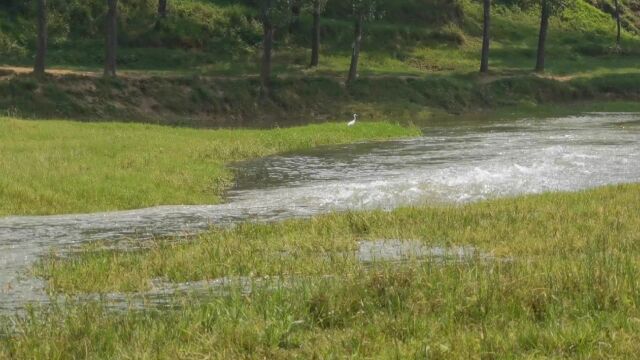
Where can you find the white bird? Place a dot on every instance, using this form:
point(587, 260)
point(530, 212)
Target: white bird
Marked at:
point(353, 122)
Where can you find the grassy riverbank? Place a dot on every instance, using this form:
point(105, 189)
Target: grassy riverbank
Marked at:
point(558, 278)
point(210, 102)
point(52, 167)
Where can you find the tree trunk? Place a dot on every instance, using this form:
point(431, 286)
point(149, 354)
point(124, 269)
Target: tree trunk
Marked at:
point(617, 3)
point(355, 56)
point(267, 48)
point(39, 67)
point(294, 24)
point(486, 37)
point(542, 39)
point(315, 35)
point(112, 38)
point(162, 8)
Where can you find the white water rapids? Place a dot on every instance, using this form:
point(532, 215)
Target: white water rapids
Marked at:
point(452, 164)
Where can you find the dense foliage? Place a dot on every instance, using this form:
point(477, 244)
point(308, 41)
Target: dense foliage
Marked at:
point(193, 24)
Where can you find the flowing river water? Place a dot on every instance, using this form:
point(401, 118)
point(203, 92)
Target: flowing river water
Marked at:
point(455, 163)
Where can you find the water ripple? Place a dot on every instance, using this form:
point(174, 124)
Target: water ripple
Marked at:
point(453, 164)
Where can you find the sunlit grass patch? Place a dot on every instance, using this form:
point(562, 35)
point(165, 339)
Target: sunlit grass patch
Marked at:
point(51, 167)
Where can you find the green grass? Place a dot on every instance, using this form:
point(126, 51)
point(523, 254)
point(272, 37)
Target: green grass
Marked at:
point(220, 38)
point(562, 283)
point(210, 102)
point(200, 67)
point(522, 227)
point(52, 167)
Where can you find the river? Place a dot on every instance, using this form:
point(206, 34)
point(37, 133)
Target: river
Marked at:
point(454, 163)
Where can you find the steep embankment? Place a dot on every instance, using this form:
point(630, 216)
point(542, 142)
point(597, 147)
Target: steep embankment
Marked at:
point(215, 102)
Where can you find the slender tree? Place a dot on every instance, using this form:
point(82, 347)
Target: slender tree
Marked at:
point(619, 26)
point(548, 8)
point(486, 37)
point(296, 8)
point(272, 13)
point(363, 10)
point(357, 45)
point(162, 8)
point(317, 7)
point(41, 53)
point(111, 38)
point(545, 13)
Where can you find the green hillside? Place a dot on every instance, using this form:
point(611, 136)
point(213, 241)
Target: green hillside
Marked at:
point(222, 37)
point(435, 42)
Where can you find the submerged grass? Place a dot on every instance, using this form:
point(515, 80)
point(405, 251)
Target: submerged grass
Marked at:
point(530, 227)
point(51, 167)
point(564, 283)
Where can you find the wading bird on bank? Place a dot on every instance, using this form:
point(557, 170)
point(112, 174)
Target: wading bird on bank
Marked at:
point(353, 122)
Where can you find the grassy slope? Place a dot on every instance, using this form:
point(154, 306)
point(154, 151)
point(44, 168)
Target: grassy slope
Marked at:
point(439, 57)
point(203, 102)
point(563, 284)
point(217, 37)
point(54, 167)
